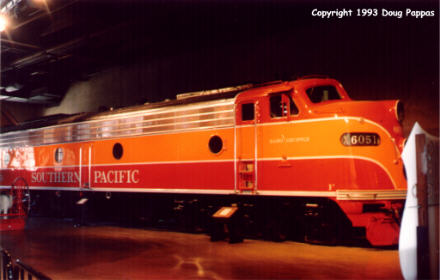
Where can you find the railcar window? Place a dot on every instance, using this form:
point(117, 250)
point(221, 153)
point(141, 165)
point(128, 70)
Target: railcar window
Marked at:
point(118, 151)
point(59, 155)
point(247, 112)
point(322, 93)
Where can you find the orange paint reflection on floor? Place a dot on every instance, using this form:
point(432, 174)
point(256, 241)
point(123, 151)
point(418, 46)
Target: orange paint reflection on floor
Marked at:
point(61, 251)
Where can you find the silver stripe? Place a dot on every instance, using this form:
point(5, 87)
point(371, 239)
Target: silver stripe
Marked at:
point(90, 167)
point(123, 125)
point(124, 129)
point(80, 167)
point(339, 194)
point(131, 190)
point(170, 130)
point(256, 149)
point(299, 193)
point(171, 109)
point(235, 150)
point(370, 194)
point(205, 115)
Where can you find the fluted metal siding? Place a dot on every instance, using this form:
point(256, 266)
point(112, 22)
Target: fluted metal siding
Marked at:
point(206, 115)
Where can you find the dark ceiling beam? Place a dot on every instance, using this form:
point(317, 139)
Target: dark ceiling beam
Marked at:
point(63, 49)
point(44, 55)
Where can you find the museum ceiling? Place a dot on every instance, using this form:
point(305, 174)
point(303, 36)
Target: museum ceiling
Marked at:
point(49, 44)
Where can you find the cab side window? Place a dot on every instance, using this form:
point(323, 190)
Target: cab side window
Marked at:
point(282, 105)
point(247, 112)
point(293, 109)
point(277, 107)
point(322, 93)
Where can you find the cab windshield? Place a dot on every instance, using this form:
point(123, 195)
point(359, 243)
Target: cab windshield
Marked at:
point(322, 93)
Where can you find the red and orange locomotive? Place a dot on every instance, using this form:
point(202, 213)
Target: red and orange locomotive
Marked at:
point(300, 152)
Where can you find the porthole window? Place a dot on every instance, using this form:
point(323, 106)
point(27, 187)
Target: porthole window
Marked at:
point(118, 151)
point(59, 155)
point(215, 144)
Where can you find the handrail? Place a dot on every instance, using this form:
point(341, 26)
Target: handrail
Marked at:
point(14, 270)
point(6, 271)
point(26, 270)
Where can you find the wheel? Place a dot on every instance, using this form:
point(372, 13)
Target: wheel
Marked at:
point(321, 232)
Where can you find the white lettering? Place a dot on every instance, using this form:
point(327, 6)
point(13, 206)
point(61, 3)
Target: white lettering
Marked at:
point(55, 177)
point(70, 177)
point(109, 177)
point(134, 176)
point(77, 176)
point(121, 175)
point(34, 178)
point(98, 175)
point(387, 13)
point(419, 14)
point(117, 176)
point(332, 13)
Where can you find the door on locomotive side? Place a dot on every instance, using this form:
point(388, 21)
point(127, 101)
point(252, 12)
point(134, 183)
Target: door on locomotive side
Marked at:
point(85, 166)
point(277, 140)
point(246, 141)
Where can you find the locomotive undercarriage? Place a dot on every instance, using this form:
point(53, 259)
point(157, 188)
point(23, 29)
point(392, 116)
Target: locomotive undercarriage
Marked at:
point(304, 219)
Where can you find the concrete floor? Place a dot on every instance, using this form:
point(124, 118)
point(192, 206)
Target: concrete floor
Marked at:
point(62, 251)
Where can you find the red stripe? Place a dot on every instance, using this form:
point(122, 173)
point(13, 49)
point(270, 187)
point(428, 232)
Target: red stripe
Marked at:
point(322, 175)
point(210, 176)
point(293, 175)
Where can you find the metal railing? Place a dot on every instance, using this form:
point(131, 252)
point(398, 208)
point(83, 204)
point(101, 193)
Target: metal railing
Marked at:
point(16, 270)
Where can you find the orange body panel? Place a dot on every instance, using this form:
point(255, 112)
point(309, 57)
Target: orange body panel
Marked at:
point(281, 139)
point(313, 133)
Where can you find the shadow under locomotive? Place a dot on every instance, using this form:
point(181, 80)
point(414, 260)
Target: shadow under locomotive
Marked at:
point(312, 220)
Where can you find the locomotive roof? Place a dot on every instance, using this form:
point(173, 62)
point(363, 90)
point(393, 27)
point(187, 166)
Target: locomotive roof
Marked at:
point(182, 99)
point(188, 98)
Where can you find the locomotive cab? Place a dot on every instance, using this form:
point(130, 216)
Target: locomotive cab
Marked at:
point(309, 140)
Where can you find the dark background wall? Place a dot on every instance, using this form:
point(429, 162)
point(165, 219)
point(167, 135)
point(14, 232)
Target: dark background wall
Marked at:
point(205, 46)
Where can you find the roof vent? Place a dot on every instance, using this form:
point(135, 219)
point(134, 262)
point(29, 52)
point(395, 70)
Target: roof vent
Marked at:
point(218, 91)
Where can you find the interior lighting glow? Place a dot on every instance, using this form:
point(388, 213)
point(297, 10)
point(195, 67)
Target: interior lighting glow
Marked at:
point(42, 4)
point(3, 23)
